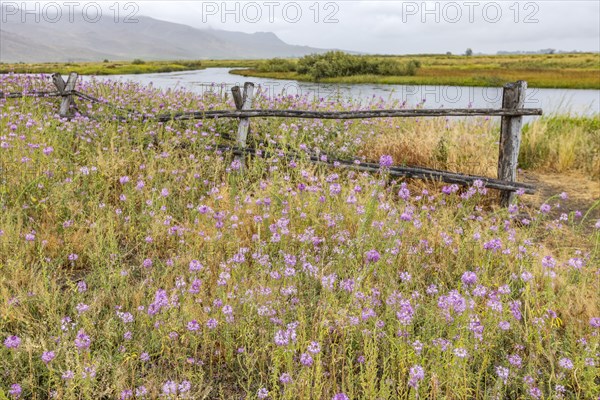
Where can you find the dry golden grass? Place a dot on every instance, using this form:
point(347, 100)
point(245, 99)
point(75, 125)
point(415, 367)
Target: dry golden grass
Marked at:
point(466, 146)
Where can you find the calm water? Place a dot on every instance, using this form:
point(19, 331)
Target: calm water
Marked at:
point(574, 101)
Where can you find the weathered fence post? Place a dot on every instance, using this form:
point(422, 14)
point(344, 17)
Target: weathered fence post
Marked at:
point(237, 97)
point(243, 103)
point(513, 97)
point(67, 101)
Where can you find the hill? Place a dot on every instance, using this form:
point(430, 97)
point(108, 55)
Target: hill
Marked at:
point(148, 39)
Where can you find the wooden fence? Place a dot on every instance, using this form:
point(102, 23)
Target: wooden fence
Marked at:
point(512, 111)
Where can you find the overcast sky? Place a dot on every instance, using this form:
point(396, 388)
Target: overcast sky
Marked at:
point(400, 26)
point(393, 27)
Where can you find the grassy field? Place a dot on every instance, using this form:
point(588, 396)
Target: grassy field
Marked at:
point(138, 261)
point(574, 71)
point(121, 67)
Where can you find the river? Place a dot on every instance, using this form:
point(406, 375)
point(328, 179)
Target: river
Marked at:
point(551, 101)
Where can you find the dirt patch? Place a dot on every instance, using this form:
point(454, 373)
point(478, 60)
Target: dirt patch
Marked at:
point(582, 191)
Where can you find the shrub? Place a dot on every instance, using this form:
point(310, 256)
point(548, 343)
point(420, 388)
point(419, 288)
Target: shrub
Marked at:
point(138, 61)
point(190, 64)
point(337, 63)
point(277, 65)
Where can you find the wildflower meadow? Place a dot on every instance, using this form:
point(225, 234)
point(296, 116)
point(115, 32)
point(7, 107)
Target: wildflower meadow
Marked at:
point(141, 260)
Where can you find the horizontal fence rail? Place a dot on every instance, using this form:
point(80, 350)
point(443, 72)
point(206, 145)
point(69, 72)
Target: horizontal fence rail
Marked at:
point(15, 95)
point(450, 112)
point(396, 171)
point(511, 114)
point(310, 114)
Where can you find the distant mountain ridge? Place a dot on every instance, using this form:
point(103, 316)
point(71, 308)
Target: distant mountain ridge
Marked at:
point(147, 39)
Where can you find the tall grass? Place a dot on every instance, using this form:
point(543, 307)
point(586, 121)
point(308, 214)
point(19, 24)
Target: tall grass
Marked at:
point(137, 260)
point(562, 143)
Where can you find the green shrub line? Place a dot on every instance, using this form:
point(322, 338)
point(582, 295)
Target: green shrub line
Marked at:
point(339, 64)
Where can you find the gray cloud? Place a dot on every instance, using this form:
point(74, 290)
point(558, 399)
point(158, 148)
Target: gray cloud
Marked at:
point(398, 27)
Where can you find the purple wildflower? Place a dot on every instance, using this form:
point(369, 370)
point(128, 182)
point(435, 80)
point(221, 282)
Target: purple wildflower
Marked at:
point(48, 356)
point(535, 392)
point(285, 378)
point(82, 340)
point(193, 325)
point(236, 165)
point(406, 312)
point(15, 390)
point(68, 374)
point(515, 309)
point(81, 286)
point(340, 396)
point(416, 374)
point(460, 352)
point(386, 161)
point(281, 338)
point(502, 373)
point(169, 388)
point(184, 386)
point(372, 256)
point(469, 278)
point(160, 300)
point(81, 308)
point(126, 317)
point(12, 342)
point(306, 359)
point(493, 245)
point(404, 193)
point(263, 393)
point(314, 347)
point(515, 360)
point(526, 276)
point(212, 323)
point(565, 363)
point(195, 265)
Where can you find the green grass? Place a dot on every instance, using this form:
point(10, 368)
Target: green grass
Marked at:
point(573, 71)
point(121, 67)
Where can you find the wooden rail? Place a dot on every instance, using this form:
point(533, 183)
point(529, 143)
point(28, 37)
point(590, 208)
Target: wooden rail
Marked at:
point(399, 171)
point(512, 113)
point(456, 112)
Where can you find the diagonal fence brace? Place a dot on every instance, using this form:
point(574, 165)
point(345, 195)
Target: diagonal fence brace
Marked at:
point(65, 90)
